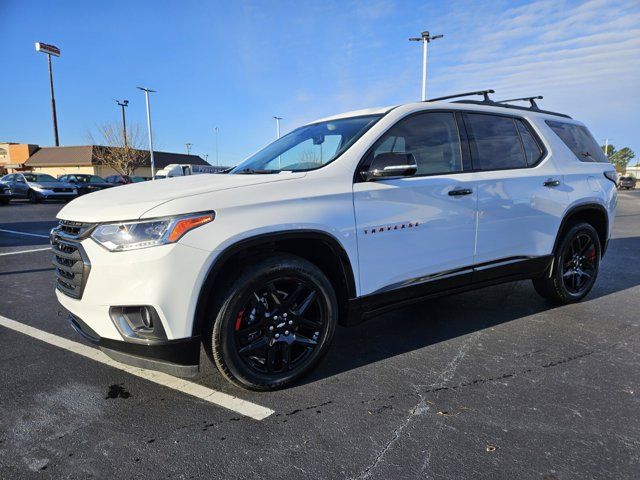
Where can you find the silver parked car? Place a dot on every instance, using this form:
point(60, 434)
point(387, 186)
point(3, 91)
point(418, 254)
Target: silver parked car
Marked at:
point(627, 182)
point(38, 187)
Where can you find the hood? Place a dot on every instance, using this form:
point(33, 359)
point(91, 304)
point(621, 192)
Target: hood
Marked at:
point(50, 185)
point(130, 202)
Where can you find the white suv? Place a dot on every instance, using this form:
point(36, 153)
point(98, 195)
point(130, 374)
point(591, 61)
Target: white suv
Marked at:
point(339, 220)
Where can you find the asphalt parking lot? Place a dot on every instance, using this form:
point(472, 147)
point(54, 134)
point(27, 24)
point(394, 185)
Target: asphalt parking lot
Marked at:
point(489, 384)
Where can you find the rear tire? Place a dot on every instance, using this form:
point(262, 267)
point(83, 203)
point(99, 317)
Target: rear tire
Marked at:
point(575, 266)
point(274, 323)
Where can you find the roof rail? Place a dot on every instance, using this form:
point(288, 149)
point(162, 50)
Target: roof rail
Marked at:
point(484, 93)
point(532, 100)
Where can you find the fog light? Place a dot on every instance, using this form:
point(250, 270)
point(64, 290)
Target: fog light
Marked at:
point(145, 314)
point(138, 324)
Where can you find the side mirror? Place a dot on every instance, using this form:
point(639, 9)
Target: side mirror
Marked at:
point(391, 165)
point(20, 180)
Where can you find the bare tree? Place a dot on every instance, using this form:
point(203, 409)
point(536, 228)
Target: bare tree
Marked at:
point(112, 151)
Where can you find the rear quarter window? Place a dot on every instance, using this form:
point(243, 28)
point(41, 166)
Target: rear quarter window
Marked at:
point(579, 140)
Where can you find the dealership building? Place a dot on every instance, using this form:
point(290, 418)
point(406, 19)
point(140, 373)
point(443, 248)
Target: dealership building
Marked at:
point(56, 161)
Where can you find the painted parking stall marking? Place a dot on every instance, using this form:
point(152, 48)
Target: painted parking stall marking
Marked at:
point(235, 404)
point(26, 251)
point(15, 232)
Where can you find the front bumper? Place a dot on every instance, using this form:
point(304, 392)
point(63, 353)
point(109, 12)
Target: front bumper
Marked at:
point(49, 195)
point(167, 278)
point(180, 358)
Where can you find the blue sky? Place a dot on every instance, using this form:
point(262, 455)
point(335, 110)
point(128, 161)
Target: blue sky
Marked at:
point(236, 64)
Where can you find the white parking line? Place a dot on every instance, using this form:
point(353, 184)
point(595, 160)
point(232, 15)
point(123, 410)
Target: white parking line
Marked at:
point(25, 251)
point(248, 409)
point(15, 232)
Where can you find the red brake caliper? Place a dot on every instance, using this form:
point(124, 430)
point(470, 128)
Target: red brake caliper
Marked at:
point(239, 319)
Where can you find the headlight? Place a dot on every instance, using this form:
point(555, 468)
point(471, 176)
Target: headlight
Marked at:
point(39, 188)
point(147, 233)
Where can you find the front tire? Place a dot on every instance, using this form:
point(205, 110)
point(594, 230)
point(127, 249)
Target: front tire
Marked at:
point(273, 324)
point(33, 197)
point(575, 266)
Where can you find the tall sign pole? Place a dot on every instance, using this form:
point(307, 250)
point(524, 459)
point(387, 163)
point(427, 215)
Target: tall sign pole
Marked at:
point(123, 104)
point(50, 50)
point(147, 91)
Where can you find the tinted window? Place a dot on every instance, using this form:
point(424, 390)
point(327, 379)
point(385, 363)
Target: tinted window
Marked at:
point(532, 150)
point(579, 140)
point(432, 138)
point(39, 177)
point(494, 142)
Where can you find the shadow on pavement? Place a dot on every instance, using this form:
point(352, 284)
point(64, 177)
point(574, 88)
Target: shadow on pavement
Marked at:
point(444, 318)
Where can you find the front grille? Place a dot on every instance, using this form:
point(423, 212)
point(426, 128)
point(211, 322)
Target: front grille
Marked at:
point(62, 190)
point(71, 263)
point(75, 230)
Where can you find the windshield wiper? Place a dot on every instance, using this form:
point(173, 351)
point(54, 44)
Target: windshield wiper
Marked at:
point(251, 171)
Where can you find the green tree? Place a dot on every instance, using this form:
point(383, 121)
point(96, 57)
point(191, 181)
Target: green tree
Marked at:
point(619, 158)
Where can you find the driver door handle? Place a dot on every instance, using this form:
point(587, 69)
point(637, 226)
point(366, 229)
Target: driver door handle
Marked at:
point(460, 192)
point(552, 182)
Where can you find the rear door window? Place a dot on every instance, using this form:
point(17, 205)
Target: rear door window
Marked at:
point(579, 140)
point(494, 141)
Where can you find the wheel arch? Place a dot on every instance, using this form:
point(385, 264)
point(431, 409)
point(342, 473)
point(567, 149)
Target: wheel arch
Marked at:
point(592, 213)
point(319, 247)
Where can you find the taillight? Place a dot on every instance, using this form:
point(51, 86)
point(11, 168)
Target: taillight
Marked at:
point(612, 175)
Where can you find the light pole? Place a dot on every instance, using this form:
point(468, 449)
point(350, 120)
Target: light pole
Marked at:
point(606, 147)
point(123, 104)
point(147, 91)
point(277, 119)
point(55, 51)
point(188, 145)
point(425, 38)
point(217, 130)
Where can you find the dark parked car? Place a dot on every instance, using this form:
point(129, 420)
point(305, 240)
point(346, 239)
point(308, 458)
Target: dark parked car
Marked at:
point(86, 183)
point(5, 193)
point(123, 179)
point(626, 183)
point(38, 187)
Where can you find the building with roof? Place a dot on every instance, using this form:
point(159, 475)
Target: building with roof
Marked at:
point(58, 161)
point(13, 155)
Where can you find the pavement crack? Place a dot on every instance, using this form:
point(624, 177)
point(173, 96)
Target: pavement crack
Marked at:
point(421, 407)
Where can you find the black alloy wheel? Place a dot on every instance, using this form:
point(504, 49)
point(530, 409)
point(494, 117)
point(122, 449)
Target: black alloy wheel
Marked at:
point(575, 266)
point(275, 323)
point(579, 263)
point(279, 325)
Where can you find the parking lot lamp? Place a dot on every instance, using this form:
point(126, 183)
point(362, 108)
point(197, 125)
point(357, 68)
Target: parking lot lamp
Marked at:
point(188, 145)
point(425, 38)
point(123, 104)
point(277, 119)
point(147, 91)
point(50, 50)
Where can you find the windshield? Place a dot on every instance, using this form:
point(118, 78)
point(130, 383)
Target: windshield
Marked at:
point(89, 179)
point(38, 177)
point(308, 147)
